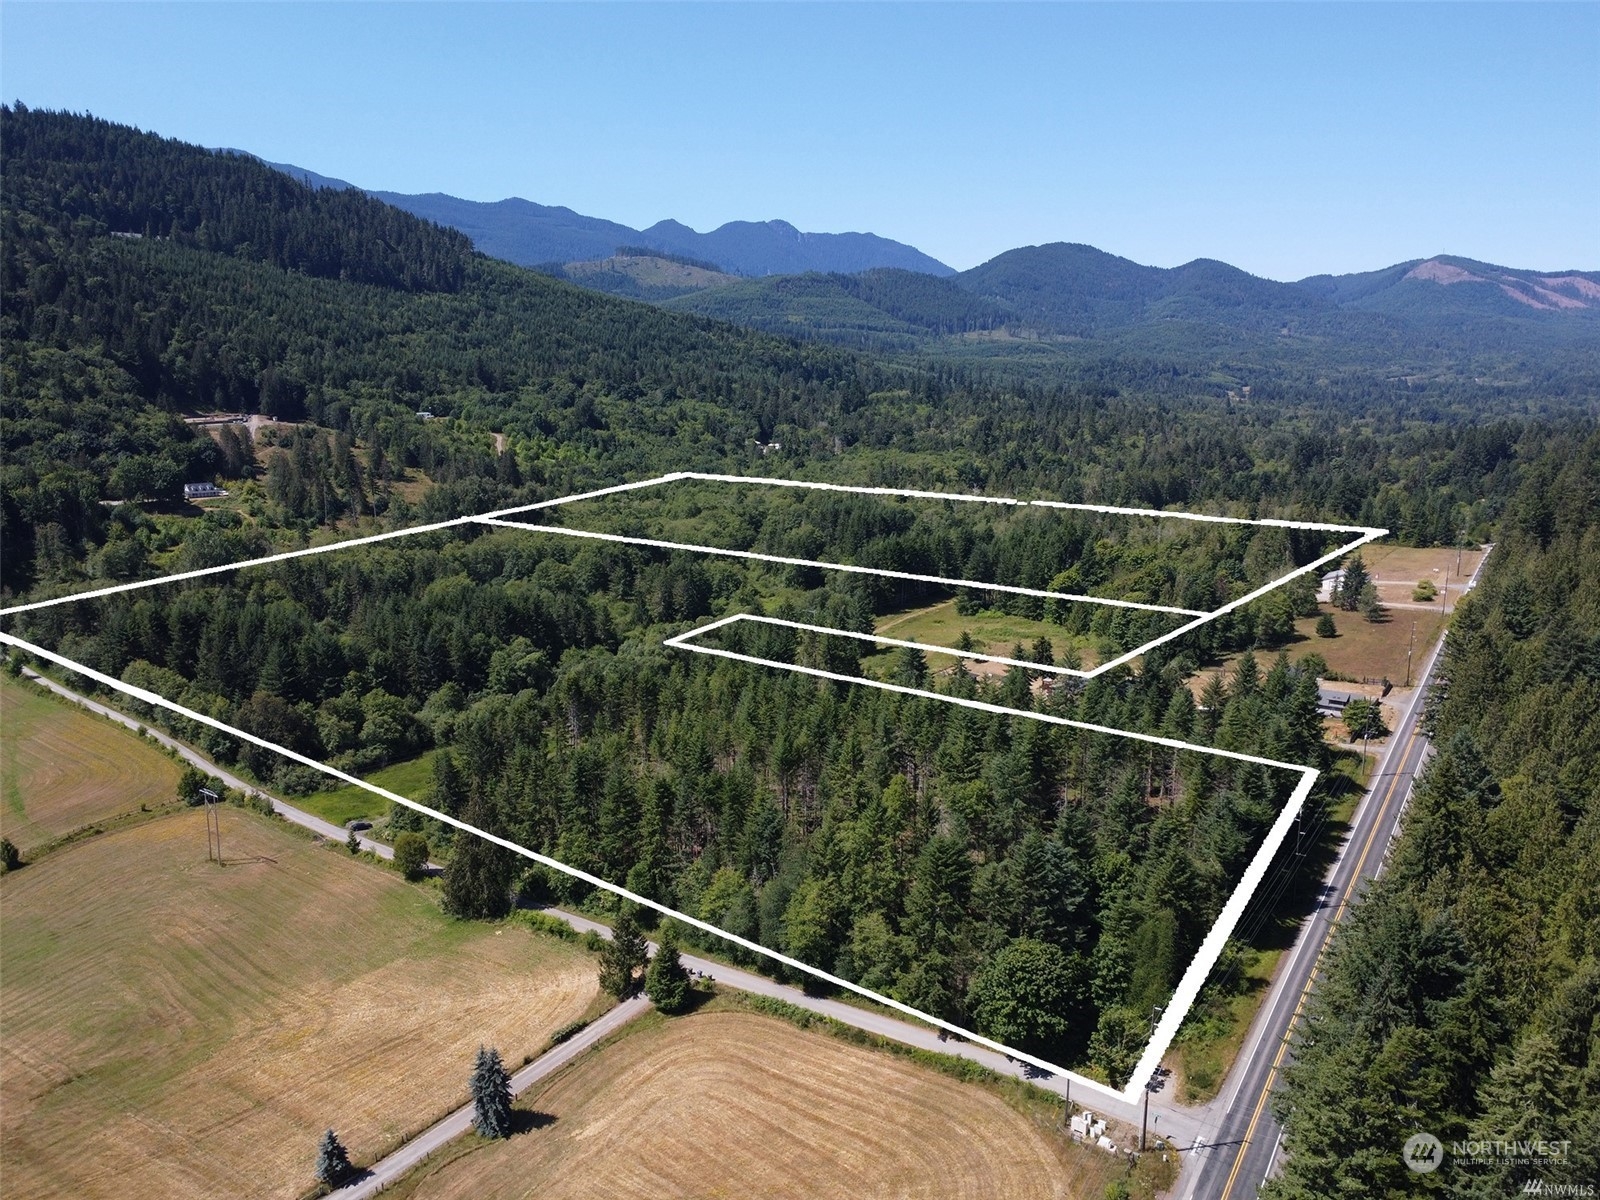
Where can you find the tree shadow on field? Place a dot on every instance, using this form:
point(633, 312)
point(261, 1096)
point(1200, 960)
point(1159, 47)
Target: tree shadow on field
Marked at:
point(526, 1120)
point(695, 999)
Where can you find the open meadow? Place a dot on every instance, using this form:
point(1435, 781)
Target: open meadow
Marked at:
point(341, 805)
point(1398, 569)
point(992, 632)
point(735, 1104)
point(173, 1028)
point(62, 769)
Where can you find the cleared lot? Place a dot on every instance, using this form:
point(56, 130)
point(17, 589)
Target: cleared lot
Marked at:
point(172, 1028)
point(732, 1104)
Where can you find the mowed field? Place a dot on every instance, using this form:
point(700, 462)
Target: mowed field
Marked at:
point(172, 1028)
point(412, 779)
point(62, 769)
point(733, 1104)
point(1370, 649)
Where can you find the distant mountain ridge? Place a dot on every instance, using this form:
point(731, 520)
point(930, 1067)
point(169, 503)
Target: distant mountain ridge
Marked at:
point(1045, 301)
point(1076, 292)
point(1508, 291)
point(531, 235)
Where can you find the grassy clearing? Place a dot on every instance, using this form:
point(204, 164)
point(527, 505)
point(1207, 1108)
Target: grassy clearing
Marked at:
point(1412, 563)
point(1200, 1062)
point(1363, 649)
point(1373, 649)
point(729, 1103)
point(992, 633)
point(63, 769)
point(177, 1029)
point(340, 805)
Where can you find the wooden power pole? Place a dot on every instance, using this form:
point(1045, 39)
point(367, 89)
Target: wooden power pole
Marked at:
point(213, 826)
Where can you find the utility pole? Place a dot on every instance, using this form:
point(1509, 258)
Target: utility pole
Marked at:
point(1410, 644)
point(1144, 1124)
point(213, 826)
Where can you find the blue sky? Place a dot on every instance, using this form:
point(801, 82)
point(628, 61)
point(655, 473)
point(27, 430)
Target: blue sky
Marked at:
point(1288, 139)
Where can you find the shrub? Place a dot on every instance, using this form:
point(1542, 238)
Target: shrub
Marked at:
point(10, 856)
point(1424, 591)
point(568, 1031)
point(411, 855)
point(1325, 626)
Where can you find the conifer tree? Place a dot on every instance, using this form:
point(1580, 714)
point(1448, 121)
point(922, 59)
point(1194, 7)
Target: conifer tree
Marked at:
point(622, 956)
point(333, 1161)
point(667, 982)
point(477, 879)
point(491, 1094)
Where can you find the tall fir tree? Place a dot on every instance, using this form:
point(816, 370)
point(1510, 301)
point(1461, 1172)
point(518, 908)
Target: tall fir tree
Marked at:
point(333, 1161)
point(477, 879)
point(623, 956)
point(491, 1094)
point(667, 982)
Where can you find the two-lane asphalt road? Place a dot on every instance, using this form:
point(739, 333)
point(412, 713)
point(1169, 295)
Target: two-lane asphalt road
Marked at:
point(1244, 1148)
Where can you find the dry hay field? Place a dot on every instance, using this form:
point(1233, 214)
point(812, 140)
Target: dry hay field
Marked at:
point(735, 1105)
point(1363, 649)
point(1369, 649)
point(62, 769)
point(172, 1028)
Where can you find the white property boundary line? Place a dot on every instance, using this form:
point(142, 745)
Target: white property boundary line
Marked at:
point(1194, 977)
point(1366, 534)
point(1183, 996)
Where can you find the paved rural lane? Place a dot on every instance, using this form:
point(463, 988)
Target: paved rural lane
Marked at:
point(388, 1171)
point(1245, 1141)
point(1180, 1125)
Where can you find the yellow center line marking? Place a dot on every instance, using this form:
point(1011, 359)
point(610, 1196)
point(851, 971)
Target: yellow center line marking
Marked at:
point(1305, 992)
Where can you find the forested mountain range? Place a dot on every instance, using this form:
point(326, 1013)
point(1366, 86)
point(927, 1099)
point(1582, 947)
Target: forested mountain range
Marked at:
point(530, 234)
point(1042, 306)
point(1037, 307)
point(144, 279)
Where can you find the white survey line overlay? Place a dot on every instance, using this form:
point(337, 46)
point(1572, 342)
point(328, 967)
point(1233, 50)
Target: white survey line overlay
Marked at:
point(1210, 950)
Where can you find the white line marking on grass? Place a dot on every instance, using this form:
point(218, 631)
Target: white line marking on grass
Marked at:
point(878, 637)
